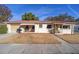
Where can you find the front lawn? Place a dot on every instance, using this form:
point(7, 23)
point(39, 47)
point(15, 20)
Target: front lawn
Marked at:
point(74, 38)
point(31, 38)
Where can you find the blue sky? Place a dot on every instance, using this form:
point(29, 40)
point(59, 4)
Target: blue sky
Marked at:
point(43, 10)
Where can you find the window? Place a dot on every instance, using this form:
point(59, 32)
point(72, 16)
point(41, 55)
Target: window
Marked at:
point(40, 25)
point(49, 26)
point(66, 27)
point(78, 28)
point(60, 26)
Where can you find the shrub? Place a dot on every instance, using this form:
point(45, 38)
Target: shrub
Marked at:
point(3, 29)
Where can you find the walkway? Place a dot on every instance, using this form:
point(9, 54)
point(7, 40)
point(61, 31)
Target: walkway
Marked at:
point(65, 47)
point(4, 36)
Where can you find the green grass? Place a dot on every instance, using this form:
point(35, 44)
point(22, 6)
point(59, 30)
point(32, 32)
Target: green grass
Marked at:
point(3, 29)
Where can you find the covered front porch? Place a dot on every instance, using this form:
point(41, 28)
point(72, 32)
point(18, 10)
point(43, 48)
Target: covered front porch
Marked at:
point(27, 28)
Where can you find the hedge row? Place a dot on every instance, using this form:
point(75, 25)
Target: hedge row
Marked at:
point(3, 29)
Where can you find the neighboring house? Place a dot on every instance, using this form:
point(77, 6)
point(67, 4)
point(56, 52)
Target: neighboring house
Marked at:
point(57, 27)
point(76, 27)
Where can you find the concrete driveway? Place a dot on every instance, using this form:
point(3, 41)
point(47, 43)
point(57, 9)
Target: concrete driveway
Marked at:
point(28, 48)
point(37, 49)
point(4, 36)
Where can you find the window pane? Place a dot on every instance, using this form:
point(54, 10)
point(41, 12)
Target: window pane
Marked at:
point(66, 26)
point(60, 26)
point(49, 26)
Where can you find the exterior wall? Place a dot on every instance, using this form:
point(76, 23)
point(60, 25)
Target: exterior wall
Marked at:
point(67, 31)
point(41, 30)
point(72, 28)
point(12, 28)
point(9, 28)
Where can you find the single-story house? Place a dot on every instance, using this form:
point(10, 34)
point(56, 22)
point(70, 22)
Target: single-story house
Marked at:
point(57, 27)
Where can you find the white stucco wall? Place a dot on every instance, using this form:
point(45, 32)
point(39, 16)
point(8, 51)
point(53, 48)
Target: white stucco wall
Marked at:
point(44, 29)
point(37, 28)
point(67, 31)
point(41, 30)
point(72, 28)
point(9, 28)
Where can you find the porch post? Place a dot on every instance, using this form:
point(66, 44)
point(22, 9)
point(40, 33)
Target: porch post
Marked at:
point(72, 28)
point(62, 28)
point(54, 28)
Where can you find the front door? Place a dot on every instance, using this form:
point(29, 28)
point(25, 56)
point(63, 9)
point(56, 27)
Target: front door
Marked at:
point(57, 27)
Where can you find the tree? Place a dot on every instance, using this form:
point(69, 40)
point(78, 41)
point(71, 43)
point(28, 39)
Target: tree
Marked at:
point(77, 20)
point(5, 13)
point(61, 17)
point(29, 16)
point(50, 18)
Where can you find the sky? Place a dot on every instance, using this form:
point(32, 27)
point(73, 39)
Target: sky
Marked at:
point(43, 10)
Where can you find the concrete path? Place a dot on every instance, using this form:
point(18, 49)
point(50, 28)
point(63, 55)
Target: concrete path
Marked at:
point(36, 49)
point(29, 49)
point(4, 36)
point(65, 47)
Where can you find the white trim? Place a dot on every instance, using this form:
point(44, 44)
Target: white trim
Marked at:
point(27, 24)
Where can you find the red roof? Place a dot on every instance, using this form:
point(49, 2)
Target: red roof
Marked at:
point(33, 21)
point(23, 21)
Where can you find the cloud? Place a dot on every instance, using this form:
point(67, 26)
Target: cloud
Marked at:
point(73, 10)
